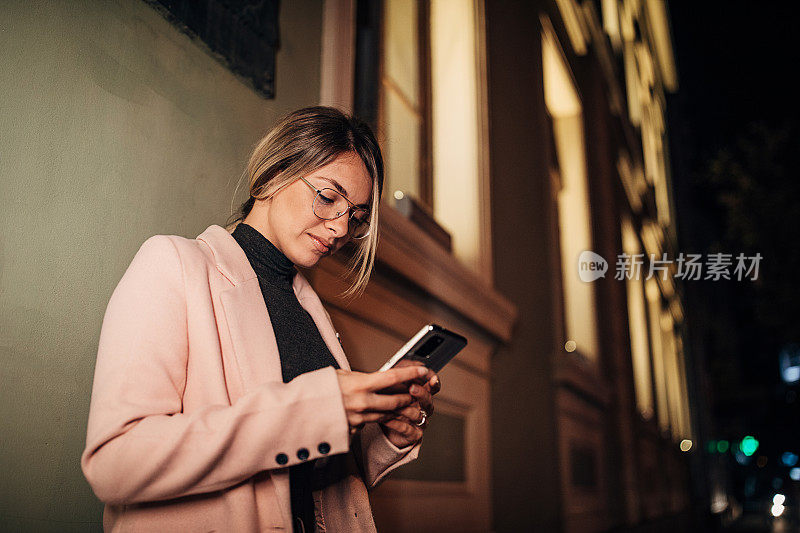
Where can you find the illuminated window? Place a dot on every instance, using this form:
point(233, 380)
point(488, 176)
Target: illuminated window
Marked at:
point(610, 11)
point(423, 94)
point(564, 107)
point(669, 367)
point(403, 94)
point(637, 323)
point(657, 344)
point(648, 69)
point(673, 376)
point(460, 185)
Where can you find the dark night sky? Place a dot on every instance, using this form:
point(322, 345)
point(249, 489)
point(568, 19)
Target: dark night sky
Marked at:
point(735, 62)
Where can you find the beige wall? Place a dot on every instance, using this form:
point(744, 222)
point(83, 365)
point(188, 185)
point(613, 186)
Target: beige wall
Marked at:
point(114, 127)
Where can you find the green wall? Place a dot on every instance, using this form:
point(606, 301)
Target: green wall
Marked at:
point(114, 126)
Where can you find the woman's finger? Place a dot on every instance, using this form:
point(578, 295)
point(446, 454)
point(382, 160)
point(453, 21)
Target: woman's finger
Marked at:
point(423, 397)
point(430, 381)
point(413, 433)
point(427, 377)
point(435, 384)
point(387, 402)
point(411, 413)
point(393, 376)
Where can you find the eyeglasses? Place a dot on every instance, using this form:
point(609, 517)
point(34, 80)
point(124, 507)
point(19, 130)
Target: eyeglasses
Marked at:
point(330, 204)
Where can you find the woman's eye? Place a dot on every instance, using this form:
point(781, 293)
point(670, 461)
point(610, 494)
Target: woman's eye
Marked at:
point(326, 199)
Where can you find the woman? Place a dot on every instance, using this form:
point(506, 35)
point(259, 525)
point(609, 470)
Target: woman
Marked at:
point(222, 400)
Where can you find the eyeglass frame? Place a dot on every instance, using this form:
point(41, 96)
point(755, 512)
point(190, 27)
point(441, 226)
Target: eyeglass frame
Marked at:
point(351, 208)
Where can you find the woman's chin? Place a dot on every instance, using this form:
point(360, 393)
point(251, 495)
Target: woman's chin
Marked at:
point(308, 260)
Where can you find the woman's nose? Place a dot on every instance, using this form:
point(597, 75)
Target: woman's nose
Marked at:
point(339, 226)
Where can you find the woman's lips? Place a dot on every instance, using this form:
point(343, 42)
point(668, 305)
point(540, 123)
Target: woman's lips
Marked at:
point(319, 245)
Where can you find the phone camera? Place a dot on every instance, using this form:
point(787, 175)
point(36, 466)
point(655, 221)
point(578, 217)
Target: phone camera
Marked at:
point(429, 346)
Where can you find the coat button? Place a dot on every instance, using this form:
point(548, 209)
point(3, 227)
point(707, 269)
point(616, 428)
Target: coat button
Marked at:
point(281, 459)
point(302, 454)
point(324, 448)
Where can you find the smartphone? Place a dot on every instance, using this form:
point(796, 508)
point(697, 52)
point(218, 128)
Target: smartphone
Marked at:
point(433, 346)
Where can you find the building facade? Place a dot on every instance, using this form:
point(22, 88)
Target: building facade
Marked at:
point(517, 136)
point(523, 134)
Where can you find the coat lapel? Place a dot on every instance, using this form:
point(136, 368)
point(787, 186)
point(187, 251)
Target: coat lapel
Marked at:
point(250, 329)
point(249, 325)
point(253, 339)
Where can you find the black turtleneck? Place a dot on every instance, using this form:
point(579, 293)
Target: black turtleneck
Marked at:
point(300, 344)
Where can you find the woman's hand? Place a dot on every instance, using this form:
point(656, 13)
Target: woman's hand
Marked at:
point(403, 429)
point(362, 401)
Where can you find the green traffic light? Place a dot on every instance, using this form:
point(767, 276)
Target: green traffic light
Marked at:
point(722, 446)
point(748, 446)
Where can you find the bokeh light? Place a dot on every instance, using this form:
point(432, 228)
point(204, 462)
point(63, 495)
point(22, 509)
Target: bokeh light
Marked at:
point(789, 458)
point(749, 445)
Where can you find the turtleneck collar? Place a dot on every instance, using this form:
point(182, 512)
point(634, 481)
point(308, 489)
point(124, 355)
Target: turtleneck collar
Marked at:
point(268, 262)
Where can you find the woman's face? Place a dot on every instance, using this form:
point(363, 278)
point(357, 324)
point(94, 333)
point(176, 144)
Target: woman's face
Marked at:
point(287, 218)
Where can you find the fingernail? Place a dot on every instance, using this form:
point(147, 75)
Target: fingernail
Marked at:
point(435, 380)
point(415, 389)
point(422, 371)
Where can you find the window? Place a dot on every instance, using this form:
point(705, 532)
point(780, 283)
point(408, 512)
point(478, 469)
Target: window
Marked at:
point(676, 379)
point(419, 82)
point(637, 323)
point(242, 35)
point(672, 374)
point(393, 90)
point(404, 95)
point(574, 217)
point(657, 342)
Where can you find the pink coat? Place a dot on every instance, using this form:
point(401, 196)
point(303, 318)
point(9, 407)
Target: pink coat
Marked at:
point(190, 422)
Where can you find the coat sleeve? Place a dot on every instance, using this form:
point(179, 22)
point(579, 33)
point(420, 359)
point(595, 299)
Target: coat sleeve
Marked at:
point(380, 456)
point(140, 444)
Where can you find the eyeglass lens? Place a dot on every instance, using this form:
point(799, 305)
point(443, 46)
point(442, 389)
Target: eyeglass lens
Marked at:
point(330, 204)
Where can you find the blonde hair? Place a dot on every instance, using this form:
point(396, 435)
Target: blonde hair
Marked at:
point(302, 142)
